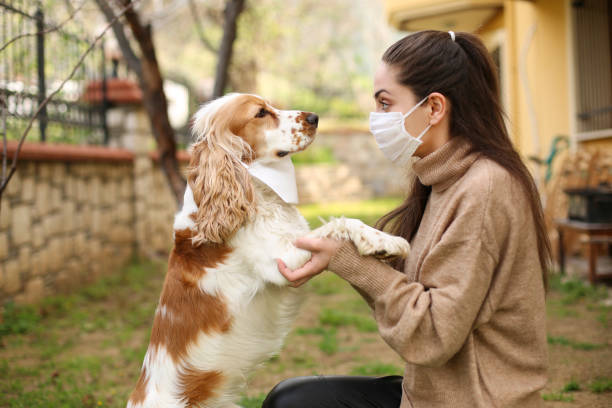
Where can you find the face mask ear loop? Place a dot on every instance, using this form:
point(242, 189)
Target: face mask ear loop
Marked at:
point(410, 111)
point(423, 132)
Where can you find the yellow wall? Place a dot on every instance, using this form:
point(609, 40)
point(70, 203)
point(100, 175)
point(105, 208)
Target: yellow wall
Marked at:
point(537, 73)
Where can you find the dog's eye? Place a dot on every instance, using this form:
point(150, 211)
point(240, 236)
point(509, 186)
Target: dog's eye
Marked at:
point(262, 112)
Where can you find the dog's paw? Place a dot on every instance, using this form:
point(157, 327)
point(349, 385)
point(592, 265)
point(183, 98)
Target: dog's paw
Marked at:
point(381, 245)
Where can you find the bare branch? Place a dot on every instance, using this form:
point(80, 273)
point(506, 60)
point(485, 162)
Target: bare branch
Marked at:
point(48, 30)
point(132, 61)
point(233, 8)
point(13, 168)
point(200, 29)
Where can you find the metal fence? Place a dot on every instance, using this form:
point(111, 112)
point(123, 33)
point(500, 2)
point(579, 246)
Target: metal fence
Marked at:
point(41, 54)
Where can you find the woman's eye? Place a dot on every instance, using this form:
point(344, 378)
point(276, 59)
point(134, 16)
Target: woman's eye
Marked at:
point(384, 106)
point(262, 112)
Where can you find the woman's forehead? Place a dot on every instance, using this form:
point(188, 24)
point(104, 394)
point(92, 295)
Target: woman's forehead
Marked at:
point(385, 79)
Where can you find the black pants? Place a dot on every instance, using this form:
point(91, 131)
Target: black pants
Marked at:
point(336, 392)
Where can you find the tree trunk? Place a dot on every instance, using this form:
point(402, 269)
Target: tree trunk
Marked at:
point(155, 103)
point(233, 8)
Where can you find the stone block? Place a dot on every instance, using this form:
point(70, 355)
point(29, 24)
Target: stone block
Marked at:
point(96, 221)
point(58, 174)
point(82, 191)
point(38, 235)
point(124, 212)
point(126, 188)
point(21, 225)
point(52, 225)
point(4, 247)
point(95, 191)
point(12, 277)
point(94, 247)
point(27, 188)
point(34, 290)
point(109, 196)
point(142, 166)
point(44, 171)
point(68, 216)
point(5, 214)
point(13, 188)
point(56, 198)
point(79, 241)
point(55, 254)
point(43, 198)
point(25, 260)
point(70, 188)
point(40, 262)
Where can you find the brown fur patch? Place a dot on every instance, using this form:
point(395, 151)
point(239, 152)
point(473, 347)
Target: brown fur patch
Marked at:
point(189, 311)
point(309, 129)
point(199, 386)
point(139, 394)
point(243, 122)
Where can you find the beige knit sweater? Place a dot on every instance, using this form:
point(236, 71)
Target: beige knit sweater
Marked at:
point(468, 313)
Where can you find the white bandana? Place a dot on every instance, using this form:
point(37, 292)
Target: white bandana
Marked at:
point(279, 175)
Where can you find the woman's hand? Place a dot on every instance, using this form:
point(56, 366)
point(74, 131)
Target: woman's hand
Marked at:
point(322, 250)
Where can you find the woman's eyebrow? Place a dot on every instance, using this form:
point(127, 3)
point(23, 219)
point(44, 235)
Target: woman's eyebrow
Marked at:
point(379, 92)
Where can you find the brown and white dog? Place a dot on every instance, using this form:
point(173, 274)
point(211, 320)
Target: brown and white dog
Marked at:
point(224, 307)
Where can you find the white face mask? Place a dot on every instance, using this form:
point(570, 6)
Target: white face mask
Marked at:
point(279, 175)
point(392, 137)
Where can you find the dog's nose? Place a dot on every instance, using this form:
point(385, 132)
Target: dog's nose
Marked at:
point(312, 119)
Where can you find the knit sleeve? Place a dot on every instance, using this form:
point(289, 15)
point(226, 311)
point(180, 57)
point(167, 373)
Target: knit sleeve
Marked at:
point(426, 326)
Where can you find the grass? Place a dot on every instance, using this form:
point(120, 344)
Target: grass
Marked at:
point(368, 210)
point(571, 386)
point(338, 318)
point(574, 344)
point(574, 290)
point(377, 369)
point(557, 396)
point(602, 384)
point(86, 349)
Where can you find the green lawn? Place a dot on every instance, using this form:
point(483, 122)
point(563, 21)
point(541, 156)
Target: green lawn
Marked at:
point(86, 349)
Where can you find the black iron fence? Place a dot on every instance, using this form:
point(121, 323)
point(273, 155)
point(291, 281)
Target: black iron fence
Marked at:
point(36, 56)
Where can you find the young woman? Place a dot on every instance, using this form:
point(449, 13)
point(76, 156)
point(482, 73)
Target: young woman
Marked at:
point(466, 309)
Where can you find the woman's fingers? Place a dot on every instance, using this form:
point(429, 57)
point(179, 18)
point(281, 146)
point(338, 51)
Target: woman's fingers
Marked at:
point(300, 282)
point(310, 268)
point(309, 243)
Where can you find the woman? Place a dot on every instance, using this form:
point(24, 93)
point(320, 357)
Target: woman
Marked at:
point(466, 309)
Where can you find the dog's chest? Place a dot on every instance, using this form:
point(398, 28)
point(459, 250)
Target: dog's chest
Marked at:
point(256, 333)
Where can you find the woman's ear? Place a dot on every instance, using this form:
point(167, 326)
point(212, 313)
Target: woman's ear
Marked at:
point(438, 106)
point(222, 191)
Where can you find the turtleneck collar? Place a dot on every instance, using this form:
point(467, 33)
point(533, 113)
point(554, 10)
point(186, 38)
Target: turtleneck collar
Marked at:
point(441, 168)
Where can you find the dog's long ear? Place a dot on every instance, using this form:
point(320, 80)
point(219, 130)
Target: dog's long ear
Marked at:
point(221, 186)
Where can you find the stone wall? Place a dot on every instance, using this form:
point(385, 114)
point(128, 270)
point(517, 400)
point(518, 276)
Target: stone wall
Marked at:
point(71, 214)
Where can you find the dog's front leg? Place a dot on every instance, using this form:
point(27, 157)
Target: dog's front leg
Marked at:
point(368, 240)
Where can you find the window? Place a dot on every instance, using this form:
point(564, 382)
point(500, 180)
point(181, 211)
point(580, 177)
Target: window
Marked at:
point(592, 22)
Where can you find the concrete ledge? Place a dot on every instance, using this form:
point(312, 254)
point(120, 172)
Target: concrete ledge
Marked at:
point(181, 156)
point(68, 153)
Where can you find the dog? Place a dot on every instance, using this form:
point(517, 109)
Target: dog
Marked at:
point(224, 307)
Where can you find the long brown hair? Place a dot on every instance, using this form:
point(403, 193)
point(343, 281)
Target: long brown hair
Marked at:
point(463, 71)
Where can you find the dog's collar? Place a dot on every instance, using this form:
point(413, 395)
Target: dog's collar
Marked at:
point(279, 175)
